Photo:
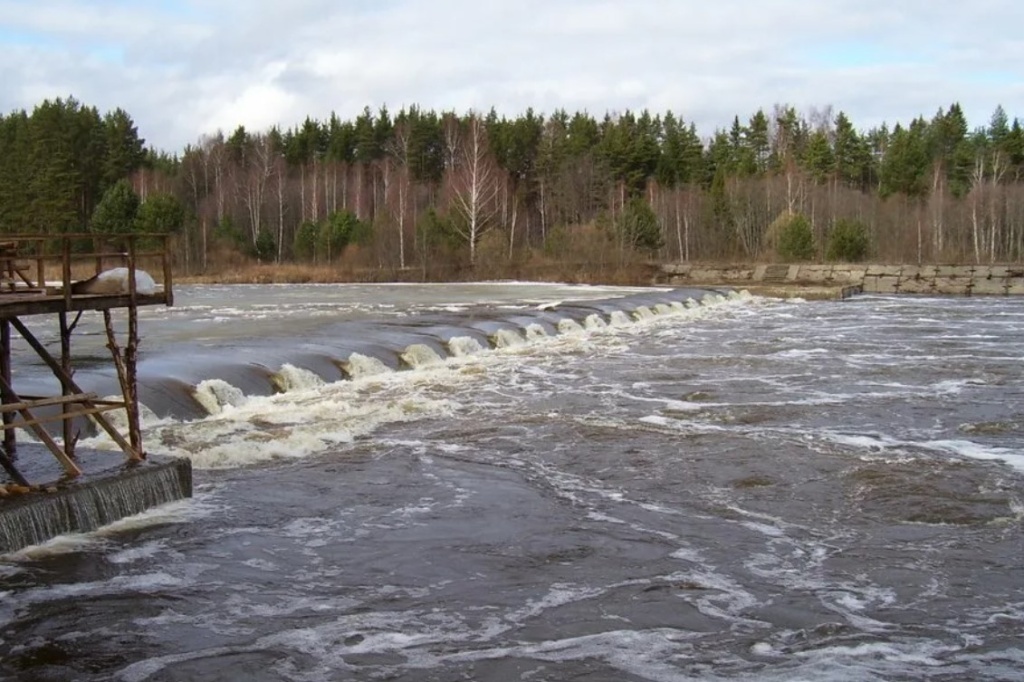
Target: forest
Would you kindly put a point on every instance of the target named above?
(426, 194)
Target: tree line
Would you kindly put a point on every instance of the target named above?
(440, 190)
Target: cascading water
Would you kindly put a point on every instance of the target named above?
(292, 378)
(236, 417)
(535, 331)
(359, 366)
(215, 394)
(89, 505)
(569, 326)
(643, 313)
(420, 355)
(461, 346)
(508, 338)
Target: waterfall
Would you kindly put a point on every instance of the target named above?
(643, 313)
(535, 331)
(620, 319)
(569, 326)
(418, 355)
(359, 365)
(507, 338)
(461, 346)
(215, 394)
(292, 378)
(86, 506)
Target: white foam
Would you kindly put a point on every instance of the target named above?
(508, 338)
(594, 322)
(215, 394)
(972, 450)
(420, 355)
(569, 326)
(619, 318)
(359, 366)
(535, 332)
(292, 378)
(881, 444)
(296, 425)
(461, 346)
(137, 553)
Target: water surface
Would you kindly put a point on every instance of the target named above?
(749, 489)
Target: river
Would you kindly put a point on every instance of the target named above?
(485, 482)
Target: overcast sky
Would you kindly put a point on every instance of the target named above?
(183, 68)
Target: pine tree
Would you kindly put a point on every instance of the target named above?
(116, 213)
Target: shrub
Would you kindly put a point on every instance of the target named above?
(848, 241)
(265, 248)
(305, 241)
(796, 239)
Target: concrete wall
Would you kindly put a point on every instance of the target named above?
(947, 280)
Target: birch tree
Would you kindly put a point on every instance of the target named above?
(475, 183)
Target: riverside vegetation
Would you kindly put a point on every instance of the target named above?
(438, 195)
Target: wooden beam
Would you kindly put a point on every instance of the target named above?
(43, 402)
(10, 440)
(16, 305)
(88, 396)
(88, 412)
(63, 377)
(70, 468)
(12, 470)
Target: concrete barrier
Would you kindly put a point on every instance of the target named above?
(33, 517)
(945, 280)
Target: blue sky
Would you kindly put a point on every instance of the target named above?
(183, 68)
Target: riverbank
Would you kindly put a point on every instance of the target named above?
(810, 281)
(628, 274)
(940, 280)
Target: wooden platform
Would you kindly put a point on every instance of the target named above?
(67, 275)
(17, 304)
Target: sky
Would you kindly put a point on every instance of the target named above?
(186, 68)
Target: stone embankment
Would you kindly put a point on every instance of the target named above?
(843, 280)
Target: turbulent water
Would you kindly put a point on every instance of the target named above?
(472, 483)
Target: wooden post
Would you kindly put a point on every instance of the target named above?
(66, 270)
(12, 470)
(70, 435)
(10, 439)
(168, 291)
(131, 357)
(122, 361)
(40, 265)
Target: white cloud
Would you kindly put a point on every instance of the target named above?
(186, 68)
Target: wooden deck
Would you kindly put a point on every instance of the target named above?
(35, 302)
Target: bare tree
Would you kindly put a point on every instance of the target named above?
(259, 166)
(399, 150)
(475, 184)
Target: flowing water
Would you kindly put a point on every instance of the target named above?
(469, 482)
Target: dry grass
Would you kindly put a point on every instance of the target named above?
(535, 269)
